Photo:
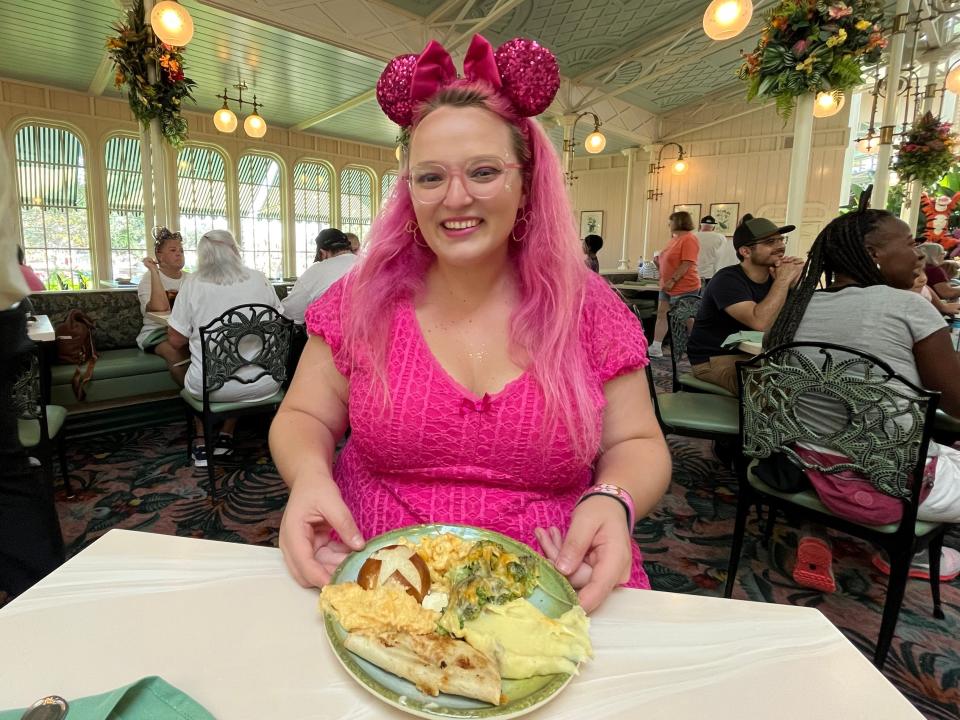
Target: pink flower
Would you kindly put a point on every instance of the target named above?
(839, 11)
(800, 47)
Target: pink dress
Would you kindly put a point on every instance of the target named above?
(445, 455)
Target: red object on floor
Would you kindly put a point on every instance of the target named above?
(814, 565)
(949, 566)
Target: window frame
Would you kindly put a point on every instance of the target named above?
(282, 219)
(334, 203)
(374, 197)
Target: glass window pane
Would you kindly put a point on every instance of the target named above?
(311, 208)
(202, 187)
(125, 220)
(261, 228)
(387, 183)
(52, 190)
(356, 201)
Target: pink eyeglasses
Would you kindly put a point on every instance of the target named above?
(482, 177)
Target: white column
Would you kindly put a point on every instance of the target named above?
(653, 152)
(800, 160)
(853, 128)
(567, 122)
(910, 212)
(881, 183)
(154, 152)
(631, 155)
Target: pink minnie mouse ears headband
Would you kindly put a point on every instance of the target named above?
(521, 70)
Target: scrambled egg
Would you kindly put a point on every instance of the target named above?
(441, 553)
(387, 608)
(525, 642)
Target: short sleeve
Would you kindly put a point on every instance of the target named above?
(689, 248)
(324, 317)
(612, 335)
(729, 289)
(935, 275)
(921, 316)
(144, 289)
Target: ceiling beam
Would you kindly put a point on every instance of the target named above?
(102, 76)
(449, 5)
(501, 9)
(343, 107)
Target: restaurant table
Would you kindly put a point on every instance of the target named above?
(639, 287)
(40, 329)
(227, 625)
(161, 317)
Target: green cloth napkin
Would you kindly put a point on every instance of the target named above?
(150, 698)
(751, 336)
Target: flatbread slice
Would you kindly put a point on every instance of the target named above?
(433, 663)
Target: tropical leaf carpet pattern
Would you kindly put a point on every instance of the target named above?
(141, 479)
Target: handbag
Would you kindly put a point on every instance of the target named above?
(75, 347)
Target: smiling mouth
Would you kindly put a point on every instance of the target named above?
(460, 224)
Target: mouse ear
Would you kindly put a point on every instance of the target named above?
(864, 204)
(530, 75)
(393, 89)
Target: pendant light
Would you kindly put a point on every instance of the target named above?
(255, 126)
(171, 23)
(224, 119)
(725, 19)
(828, 104)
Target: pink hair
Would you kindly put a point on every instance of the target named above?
(550, 269)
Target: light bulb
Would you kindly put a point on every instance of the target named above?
(953, 80)
(224, 119)
(255, 126)
(171, 23)
(679, 166)
(869, 146)
(595, 142)
(724, 19)
(399, 153)
(827, 104)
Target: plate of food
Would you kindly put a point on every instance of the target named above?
(452, 621)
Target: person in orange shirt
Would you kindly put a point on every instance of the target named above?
(678, 274)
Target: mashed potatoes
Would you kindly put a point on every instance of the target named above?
(387, 608)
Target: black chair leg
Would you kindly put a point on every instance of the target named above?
(740, 527)
(210, 444)
(189, 436)
(897, 585)
(935, 549)
(768, 526)
(62, 452)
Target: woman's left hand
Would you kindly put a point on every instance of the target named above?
(596, 554)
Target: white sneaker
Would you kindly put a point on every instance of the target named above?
(654, 351)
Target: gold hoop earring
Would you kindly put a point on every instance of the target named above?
(522, 217)
(414, 229)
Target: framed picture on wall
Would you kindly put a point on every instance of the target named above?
(694, 211)
(591, 223)
(726, 215)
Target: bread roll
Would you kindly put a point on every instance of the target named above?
(398, 564)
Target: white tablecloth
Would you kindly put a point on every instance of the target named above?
(227, 625)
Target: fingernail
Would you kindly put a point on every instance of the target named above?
(357, 541)
(563, 565)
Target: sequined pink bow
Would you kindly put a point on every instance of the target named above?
(475, 406)
(522, 70)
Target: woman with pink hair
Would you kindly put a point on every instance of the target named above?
(487, 376)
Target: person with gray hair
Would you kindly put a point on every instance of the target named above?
(937, 280)
(220, 283)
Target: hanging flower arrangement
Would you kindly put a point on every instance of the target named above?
(133, 49)
(811, 46)
(927, 151)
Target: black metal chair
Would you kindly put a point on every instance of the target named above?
(678, 322)
(244, 344)
(885, 436)
(40, 426)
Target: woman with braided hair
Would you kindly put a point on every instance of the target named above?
(868, 261)
(489, 378)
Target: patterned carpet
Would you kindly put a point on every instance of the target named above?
(140, 479)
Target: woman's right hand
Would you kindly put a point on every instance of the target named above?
(150, 264)
(314, 512)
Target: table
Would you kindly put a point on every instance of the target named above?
(41, 329)
(751, 348)
(161, 317)
(639, 287)
(226, 624)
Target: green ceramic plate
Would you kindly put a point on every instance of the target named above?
(553, 597)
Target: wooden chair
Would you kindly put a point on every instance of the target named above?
(225, 346)
(885, 438)
(678, 321)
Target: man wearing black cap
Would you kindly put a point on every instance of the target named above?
(746, 296)
(711, 244)
(334, 260)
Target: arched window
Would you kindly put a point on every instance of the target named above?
(356, 201)
(312, 194)
(387, 183)
(261, 229)
(202, 188)
(125, 221)
(52, 185)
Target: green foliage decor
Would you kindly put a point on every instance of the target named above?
(133, 49)
(811, 46)
(926, 153)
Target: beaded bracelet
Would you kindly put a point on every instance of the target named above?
(617, 493)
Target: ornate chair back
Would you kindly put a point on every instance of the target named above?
(678, 317)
